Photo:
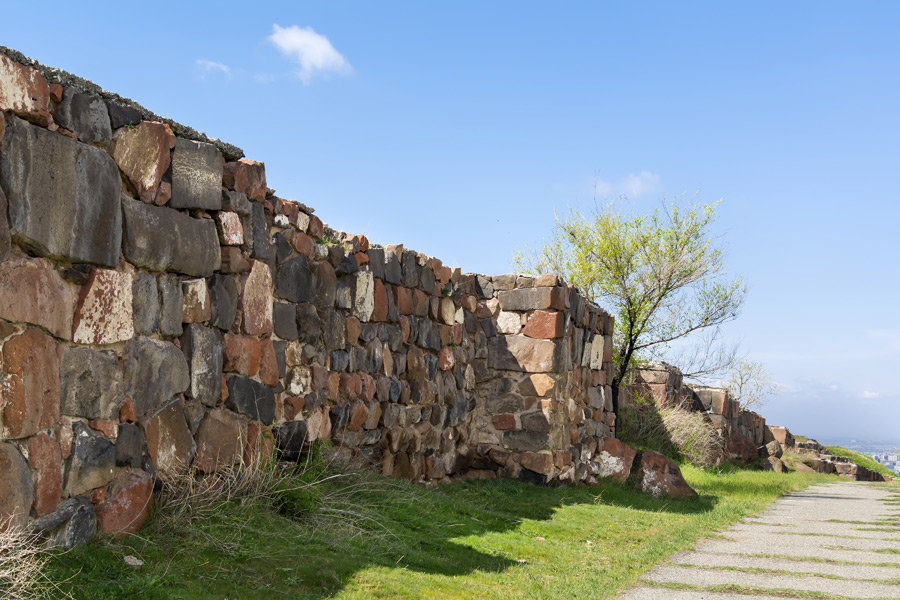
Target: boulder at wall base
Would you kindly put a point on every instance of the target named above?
(741, 448)
(614, 460)
(660, 477)
(128, 503)
(772, 463)
(289, 439)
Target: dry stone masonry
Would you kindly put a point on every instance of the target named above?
(162, 310)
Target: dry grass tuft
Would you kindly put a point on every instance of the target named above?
(22, 562)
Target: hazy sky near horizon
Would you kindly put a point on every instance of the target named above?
(461, 129)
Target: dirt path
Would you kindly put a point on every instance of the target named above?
(832, 541)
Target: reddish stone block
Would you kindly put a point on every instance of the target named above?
(256, 300)
(504, 422)
(231, 232)
(127, 414)
(45, 460)
(368, 386)
(359, 413)
(143, 154)
(332, 386)
(233, 260)
(420, 303)
(268, 363)
(361, 258)
(128, 505)
(30, 390)
(163, 194)
(33, 292)
(353, 328)
(545, 325)
(242, 355)
(104, 312)
(559, 298)
(197, 305)
(446, 359)
(247, 177)
(56, 92)
(350, 385)
(381, 302)
(403, 298)
(24, 91)
(65, 436)
(293, 407)
(315, 229)
(304, 244)
(260, 447)
(107, 427)
(318, 376)
(615, 460)
(539, 462)
(220, 440)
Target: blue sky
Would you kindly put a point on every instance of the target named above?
(460, 128)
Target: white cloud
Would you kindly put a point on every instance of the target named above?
(632, 186)
(210, 65)
(312, 51)
(867, 395)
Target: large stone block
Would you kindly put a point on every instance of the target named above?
(30, 384)
(196, 175)
(128, 503)
(521, 353)
(145, 303)
(104, 314)
(293, 280)
(73, 523)
(247, 177)
(251, 398)
(85, 115)
(143, 155)
(93, 461)
(17, 491)
(45, 460)
(364, 299)
(223, 298)
(525, 299)
(171, 306)
(169, 441)
(63, 196)
(162, 239)
(256, 300)
(24, 91)
(614, 460)
(91, 384)
(204, 350)
(155, 372)
(220, 440)
(33, 292)
(525, 441)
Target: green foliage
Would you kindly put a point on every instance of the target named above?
(661, 274)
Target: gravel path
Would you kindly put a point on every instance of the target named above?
(823, 542)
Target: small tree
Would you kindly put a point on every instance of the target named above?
(749, 384)
(661, 274)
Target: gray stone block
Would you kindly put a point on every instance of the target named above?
(223, 297)
(130, 446)
(91, 384)
(171, 306)
(284, 318)
(293, 280)
(525, 441)
(17, 491)
(162, 239)
(196, 175)
(72, 523)
(251, 398)
(145, 303)
(121, 115)
(155, 372)
(289, 439)
(93, 461)
(203, 348)
(260, 231)
(85, 115)
(69, 211)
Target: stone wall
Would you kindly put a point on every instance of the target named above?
(161, 310)
(743, 431)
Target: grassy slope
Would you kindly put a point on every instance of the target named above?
(861, 459)
(392, 539)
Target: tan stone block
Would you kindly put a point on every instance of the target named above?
(143, 154)
(545, 325)
(256, 299)
(231, 232)
(539, 462)
(24, 91)
(197, 307)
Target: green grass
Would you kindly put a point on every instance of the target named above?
(387, 538)
(861, 459)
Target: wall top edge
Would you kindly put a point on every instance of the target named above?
(64, 78)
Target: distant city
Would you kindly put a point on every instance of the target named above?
(885, 453)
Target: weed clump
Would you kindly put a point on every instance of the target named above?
(22, 566)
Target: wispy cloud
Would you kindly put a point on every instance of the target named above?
(867, 395)
(211, 66)
(632, 186)
(312, 51)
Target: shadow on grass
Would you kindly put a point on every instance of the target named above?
(249, 549)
